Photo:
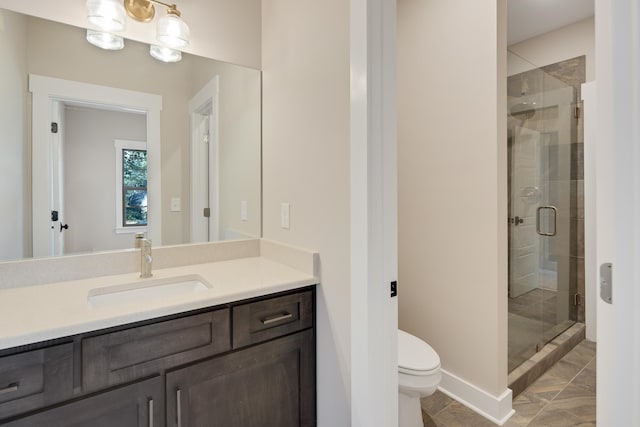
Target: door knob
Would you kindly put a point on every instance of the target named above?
(65, 227)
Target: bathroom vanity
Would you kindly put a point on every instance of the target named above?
(250, 363)
(241, 353)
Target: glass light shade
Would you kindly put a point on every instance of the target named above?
(172, 31)
(105, 40)
(165, 54)
(108, 15)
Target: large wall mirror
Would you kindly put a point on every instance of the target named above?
(98, 145)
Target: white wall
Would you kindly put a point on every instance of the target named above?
(565, 43)
(90, 176)
(618, 209)
(306, 157)
(14, 239)
(239, 139)
(224, 30)
(452, 167)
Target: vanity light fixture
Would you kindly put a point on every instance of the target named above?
(165, 54)
(171, 30)
(110, 16)
(105, 40)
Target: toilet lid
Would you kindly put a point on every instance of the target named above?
(415, 356)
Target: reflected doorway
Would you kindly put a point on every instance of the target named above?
(50, 96)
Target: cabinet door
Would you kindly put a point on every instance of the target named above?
(135, 405)
(35, 379)
(268, 385)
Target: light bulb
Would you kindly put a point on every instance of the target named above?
(105, 40)
(172, 31)
(108, 15)
(165, 54)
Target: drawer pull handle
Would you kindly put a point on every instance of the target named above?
(178, 407)
(276, 318)
(150, 412)
(10, 388)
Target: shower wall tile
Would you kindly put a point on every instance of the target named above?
(577, 237)
(577, 161)
(580, 199)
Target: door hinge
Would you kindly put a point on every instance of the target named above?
(577, 299)
(576, 112)
(54, 127)
(207, 212)
(394, 289)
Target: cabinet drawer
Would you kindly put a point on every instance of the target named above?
(122, 356)
(35, 379)
(263, 320)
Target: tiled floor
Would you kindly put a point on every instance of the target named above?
(565, 396)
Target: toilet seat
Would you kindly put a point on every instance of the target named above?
(416, 357)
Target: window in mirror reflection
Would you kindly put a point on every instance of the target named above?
(131, 185)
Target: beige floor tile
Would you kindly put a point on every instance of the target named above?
(428, 421)
(547, 387)
(435, 403)
(458, 415)
(555, 419)
(577, 401)
(587, 378)
(527, 405)
(564, 370)
(581, 354)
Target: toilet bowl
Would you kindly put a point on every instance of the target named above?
(418, 376)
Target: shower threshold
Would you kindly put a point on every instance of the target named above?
(533, 368)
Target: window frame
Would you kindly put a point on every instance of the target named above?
(120, 145)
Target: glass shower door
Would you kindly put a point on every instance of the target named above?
(541, 127)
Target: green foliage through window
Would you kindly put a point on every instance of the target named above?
(134, 187)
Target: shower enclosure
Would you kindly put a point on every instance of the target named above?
(542, 129)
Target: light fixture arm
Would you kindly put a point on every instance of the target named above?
(171, 8)
(144, 11)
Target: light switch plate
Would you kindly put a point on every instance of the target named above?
(243, 210)
(285, 215)
(175, 204)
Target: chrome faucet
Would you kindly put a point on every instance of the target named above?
(145, 258)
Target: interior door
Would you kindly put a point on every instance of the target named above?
(56, 179)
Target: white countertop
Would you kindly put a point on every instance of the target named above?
(37, 313)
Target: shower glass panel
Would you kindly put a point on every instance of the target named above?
(541, 128)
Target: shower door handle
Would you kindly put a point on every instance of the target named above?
(555, 220)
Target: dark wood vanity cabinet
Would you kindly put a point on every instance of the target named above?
(135, 405)
(246, 364)
(269, 385)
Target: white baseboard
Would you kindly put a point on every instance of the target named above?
(494, 408)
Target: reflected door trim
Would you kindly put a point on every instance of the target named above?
(204, 168)
(47, 90)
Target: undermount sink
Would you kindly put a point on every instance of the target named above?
(145, 290)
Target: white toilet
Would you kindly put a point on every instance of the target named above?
(418, 376)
